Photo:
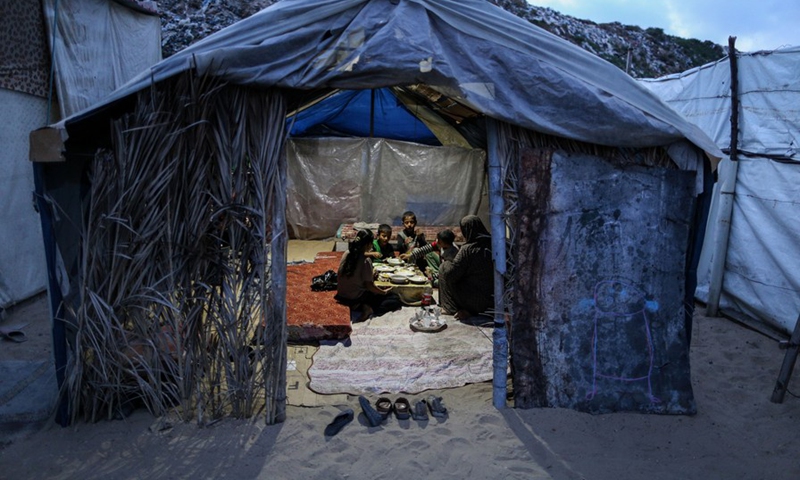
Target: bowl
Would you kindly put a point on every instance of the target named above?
(398, 279)
(418, 279)
(383, 268)
(394, 261)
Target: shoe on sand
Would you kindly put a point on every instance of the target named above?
(402, 408)
(339, 422)
(420, 411)
(437, 407)
(384, 407)
(373, 417)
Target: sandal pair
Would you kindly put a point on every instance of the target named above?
(401, 407)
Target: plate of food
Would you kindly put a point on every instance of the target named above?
(384, 268)
(418, 279)
(405, 272)
(394, 261)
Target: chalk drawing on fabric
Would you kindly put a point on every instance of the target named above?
(622, 345)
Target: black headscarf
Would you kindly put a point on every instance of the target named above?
(474, 231)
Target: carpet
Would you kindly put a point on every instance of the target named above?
(383, 355)
(310, 315)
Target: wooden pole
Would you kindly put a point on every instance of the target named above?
(727, 192)
(734, 155)
(788, 365)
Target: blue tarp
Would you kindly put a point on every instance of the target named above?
(347, 113)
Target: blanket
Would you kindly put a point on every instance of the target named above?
(383, 355)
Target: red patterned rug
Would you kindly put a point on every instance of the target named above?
(310, 315)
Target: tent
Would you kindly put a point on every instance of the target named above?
(88, 65)
(750, 262)
(592, 186)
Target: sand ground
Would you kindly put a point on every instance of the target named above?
(737, 432)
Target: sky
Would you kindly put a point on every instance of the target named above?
(757, 25)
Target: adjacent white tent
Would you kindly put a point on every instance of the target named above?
(761, 275)
(98, 45)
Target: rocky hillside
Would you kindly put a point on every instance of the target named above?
(641, 52)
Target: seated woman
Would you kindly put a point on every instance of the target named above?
(466, 284)
(356, 281)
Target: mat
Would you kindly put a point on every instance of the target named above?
(297, 391)
(383, 355)
(310, 315)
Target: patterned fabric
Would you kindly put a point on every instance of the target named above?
(24, 59)
(385, 356)
(314, 315)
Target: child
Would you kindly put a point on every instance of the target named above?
(443, 249)
(356, 282)
(409, 237)
(381, 248)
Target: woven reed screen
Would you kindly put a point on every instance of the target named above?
(183, 259)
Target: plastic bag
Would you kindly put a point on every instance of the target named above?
(326, 281)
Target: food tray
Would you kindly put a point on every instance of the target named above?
(418, 326)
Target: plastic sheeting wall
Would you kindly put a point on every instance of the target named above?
(336, 180)
(22, 265)
(762, 269)
(99, 45)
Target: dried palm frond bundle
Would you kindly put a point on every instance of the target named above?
(180, 305)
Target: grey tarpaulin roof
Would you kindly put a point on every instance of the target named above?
(487, 58)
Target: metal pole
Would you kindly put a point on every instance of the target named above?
(498, 228)
(727, 192)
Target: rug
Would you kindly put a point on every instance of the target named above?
(310, 315)
(383, 355)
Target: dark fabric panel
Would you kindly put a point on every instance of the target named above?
(23, 52)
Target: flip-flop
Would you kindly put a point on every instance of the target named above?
(13, 333)
(339, 422)
(420, 411)
(402, 408)
(437, 407)
(384, 407)
(373, 417)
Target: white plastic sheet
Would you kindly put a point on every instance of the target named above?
(22, 264)
(99, 45)
(339, 180)
(761, 276)
(762, 268)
